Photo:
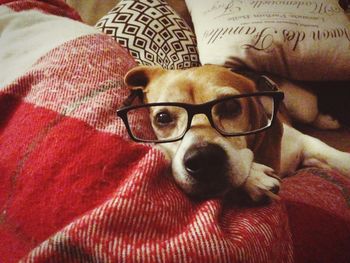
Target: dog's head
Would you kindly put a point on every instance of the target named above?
(205, 162)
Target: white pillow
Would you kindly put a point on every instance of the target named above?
(298, 39)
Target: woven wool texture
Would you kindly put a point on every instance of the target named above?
(74, 188)
(115, 198)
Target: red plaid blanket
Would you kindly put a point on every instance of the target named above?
(74, 188)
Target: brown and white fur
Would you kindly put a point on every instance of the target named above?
(250, 162)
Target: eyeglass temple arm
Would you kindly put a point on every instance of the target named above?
(262, 82)
(133, 95)
(265, 83)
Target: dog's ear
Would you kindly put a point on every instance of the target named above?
(266, 145)
(140, 76)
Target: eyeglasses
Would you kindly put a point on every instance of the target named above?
(228, 115)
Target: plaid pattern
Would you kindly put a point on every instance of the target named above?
(74, 188)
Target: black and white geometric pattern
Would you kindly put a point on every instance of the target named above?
(152, 32)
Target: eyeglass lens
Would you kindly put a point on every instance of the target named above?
(229, 116)
(168, 122)
(235, 115)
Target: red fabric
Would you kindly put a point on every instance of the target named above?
(54, 7)
(318, 205)
(74, 188)
(59, 169)
(120, 201)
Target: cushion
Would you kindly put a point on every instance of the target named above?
(153, 33)
(295, 39)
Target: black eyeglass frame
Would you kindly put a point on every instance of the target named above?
(193, 109)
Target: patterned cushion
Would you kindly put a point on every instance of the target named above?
(152, 32)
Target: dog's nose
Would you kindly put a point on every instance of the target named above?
(205, 162)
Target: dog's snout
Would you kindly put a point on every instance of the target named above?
(205, 162)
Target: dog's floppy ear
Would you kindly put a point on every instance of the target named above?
(140, 76)
(267, 145)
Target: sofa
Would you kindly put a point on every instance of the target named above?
(75, 188)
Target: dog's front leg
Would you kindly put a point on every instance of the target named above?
(299, 149)
(261, 182)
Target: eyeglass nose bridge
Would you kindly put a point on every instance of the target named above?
(199, 110)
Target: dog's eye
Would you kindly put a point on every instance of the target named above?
(163, 118)
(228, 109)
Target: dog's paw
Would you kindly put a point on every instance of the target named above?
(326, 122)
(262, 182)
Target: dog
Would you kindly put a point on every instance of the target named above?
(206, 163)
(302, 105)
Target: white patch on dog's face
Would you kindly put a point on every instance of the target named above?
(238, 165)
